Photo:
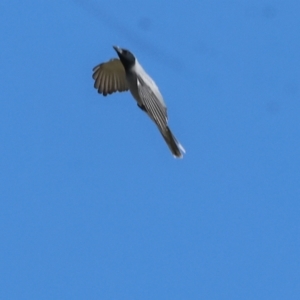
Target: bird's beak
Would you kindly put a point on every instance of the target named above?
(118, 49)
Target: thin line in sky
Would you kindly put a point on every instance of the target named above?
(93, 8)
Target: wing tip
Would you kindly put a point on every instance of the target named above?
(181, 151)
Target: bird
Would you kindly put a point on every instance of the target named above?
(126, 73)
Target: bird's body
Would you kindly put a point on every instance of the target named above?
(132, 82)
(110, 77)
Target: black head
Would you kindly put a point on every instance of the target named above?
(126, 57)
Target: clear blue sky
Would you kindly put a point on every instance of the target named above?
(93, 205)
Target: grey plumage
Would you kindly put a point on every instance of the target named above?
(126, 73)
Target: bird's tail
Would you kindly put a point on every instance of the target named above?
(175, 147)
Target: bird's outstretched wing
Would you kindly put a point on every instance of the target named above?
(110, 77)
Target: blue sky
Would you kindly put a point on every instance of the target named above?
(93, 205)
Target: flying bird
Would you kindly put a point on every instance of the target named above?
(125, 73)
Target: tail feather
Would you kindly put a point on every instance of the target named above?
(175, 147)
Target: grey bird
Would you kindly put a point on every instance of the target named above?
(125, 73)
